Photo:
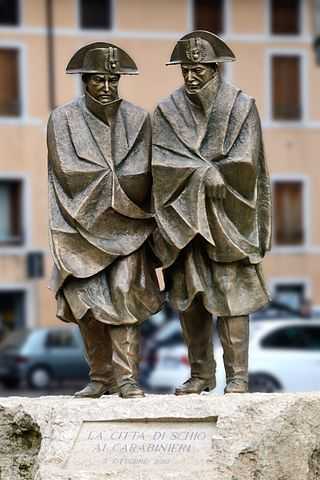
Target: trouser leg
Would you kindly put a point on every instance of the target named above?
(98, 349)
(126, 350)
(197, 329)
(234, 337)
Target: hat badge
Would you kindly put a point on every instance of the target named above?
(194, 52)
(109, 65)
(111, 60)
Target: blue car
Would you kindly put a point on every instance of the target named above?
(42, 355)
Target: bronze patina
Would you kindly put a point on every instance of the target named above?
(100, 220)
(212, 200)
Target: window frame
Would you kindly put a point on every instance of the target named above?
(305, 181)
(16, 53)
(304, 91)
(22, 84)
(288, 36)
(26, 220)
(112, 19)
(13, 199)
(281, 64)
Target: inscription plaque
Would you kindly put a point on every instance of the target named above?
(139, 445)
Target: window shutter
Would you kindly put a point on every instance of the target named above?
(9, 82)
(285, 17)
(208, 15)
(286, 88)
(288, 213)
(95, 14)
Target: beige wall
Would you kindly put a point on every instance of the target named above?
(34, 13)
(247, 69)
(248, 16)
(167, 15)
(65, 13)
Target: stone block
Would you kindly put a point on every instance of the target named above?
(161, 437)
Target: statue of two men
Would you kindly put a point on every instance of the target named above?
(209, 230)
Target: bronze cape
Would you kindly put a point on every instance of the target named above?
(99, 179)
(209, 247)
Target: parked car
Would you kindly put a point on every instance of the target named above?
(42, 355)
(284, 356)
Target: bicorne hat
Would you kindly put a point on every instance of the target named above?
(104, 58)
(201, 47)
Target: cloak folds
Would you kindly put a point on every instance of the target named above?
(99, 180)
(201, 242)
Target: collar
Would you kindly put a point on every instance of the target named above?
(105, 113)
(207, 95)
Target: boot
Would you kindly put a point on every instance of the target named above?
(197, 329)
(96, 390)
(234, 337)
(125, 344)
(98, 353)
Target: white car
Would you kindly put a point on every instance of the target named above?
(284, 356)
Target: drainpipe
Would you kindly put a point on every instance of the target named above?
(50, 55)
(316, 42)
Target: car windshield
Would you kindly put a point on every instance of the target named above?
(14, 340)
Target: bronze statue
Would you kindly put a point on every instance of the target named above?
(213, 209)
(99, 194)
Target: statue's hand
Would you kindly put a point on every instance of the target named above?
(215, 184)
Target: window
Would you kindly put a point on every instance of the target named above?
(95, 14)
(35, 265)
(288, 213)
(292, 295)
(60, 339)
(285, 17)
(295, 337)
(9, 14)
(9, 83)
(10, 212)
(209, 15)
(286, 87)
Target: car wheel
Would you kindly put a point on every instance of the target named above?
(39, 378)
(261, 382)
(11, 383)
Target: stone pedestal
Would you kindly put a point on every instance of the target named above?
(235, 437)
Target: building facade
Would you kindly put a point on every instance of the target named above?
(273, 42)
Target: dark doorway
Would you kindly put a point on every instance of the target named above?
(12, 311)
(292, 295)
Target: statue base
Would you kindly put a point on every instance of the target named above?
(235, 437)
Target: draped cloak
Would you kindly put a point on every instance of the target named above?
(99, 184)
(210, 247)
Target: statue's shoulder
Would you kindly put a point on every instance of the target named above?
(242, 98)
(175, 98)
(60, 113)
(133, 112)
(245, 100)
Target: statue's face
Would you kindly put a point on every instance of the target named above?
(103, 87)
(196, 76)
